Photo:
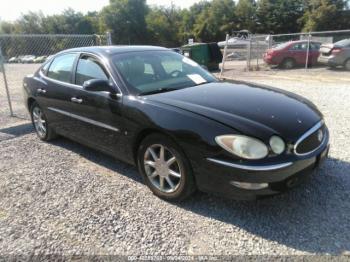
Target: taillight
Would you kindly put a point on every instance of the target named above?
(336, 50)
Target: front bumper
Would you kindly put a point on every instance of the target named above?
(270, 60)
(221, 177)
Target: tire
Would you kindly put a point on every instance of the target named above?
(40, 123)
(347, 65)
(154, 168)
(288, 63)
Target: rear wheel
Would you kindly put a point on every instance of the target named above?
(165, 169)
(39, 120)
(347, 64)
(288, 63)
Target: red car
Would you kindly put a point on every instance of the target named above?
(291, 54)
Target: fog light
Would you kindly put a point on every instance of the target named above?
(277, 144)
(249, 186)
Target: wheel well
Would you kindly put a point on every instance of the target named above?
(146, 132)
(30, 102)
(141, 136)
(288, 58)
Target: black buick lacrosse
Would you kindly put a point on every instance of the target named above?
(181, 127)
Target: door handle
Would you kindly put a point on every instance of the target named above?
(76, 100)
(41, 91)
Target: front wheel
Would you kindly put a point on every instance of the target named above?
(288, 63)
(165, 169)
(39, 120)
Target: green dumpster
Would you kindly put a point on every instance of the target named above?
(205, 54)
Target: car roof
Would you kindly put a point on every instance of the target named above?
(112, 50)
(303, 41)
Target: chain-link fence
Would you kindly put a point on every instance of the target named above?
(23, 54)
(328, 50)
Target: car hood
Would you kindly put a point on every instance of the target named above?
(249, 109)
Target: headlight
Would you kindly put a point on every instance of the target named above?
(243, 146)
(277, 144)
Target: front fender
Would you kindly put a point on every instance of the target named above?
(194, 133)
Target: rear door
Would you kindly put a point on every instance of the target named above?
(55, 91)
(314, 52)
(99, 114)
(298, 52)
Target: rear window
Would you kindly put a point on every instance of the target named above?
(345, 43)
(61, 68)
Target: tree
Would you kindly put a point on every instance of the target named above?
(325, 15)
(189, 18)
(30, 23)
(6, 27)
(246, 15)
(70, 22)
(126, 19)
(163, 25)
(279, 16)
(215, 21)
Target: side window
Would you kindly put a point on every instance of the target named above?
(297, 47)
(294, 47)
(88, 68)
(315, 46)
(304, 46)
(61, 68)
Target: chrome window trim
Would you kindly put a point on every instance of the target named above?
(101, 60)
(306, 135)
(251, 168)
(58, 82)
(79, 53)
(84, 119)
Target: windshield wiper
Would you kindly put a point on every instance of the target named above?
(157, 91)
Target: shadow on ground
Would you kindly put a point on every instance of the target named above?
(16, 131)
(315, 217)
(99, 158)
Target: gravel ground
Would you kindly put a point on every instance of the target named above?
(64, 198)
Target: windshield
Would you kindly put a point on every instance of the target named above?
(159, 71)
(281, 46)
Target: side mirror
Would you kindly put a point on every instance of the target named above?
(98, 85)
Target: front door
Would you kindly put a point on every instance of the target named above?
(298, 52)
(99, 114)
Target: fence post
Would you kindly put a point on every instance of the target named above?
(109, 38)
(308, 51)
(257, 53)
(249, 53)
(270, 38)
(2, 69)
(224, 56)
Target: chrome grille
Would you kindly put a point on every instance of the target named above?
(311, 140)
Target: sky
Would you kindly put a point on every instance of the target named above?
(14, 8)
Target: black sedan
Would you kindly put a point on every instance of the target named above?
(180, 126)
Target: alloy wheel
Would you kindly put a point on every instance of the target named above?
(289, 64)
(39, 122)
(162, 168)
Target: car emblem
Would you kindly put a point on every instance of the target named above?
(320, 135)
